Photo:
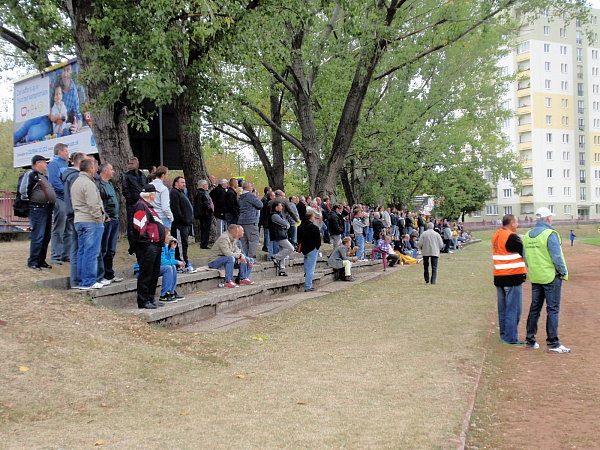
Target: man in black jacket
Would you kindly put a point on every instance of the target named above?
(336, 225)
(183, 218)
(133, 183)
(231, 209)
(218, 197)
(203, 211)
(309, 238)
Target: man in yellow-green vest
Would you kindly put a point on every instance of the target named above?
(547, 270)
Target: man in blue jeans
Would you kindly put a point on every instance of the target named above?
(60, 234)
(509, 275)
(309, 239)
(89, 224)
(37, 190)
(227, 254)
(547, 270)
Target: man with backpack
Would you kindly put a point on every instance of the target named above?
(37, 190)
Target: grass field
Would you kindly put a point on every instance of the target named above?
(385, 364)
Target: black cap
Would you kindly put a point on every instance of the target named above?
(149, 188)
(37, 158)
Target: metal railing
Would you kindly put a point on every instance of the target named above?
(8, 221)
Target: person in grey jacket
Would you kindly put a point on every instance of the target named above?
(250, 206)
(430, 244)
(89, 224)
(278, 227)
(339, 259)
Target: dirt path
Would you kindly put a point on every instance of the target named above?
(550, 401)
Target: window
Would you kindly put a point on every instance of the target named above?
(508, 210)
(596, 123)
(566, 173)
(551, 208)
(581, 124)
(580, 106)
(523, 47)
(548, 120)
(491, 210)
(567, 191)
(476, 214)
(549, 155)
(578, 37)
(597, 158)
(579, 54)
(547, 84)
(548, 102)
(549, 173)
(596, 140)
(595, 89)
(549, 139)
(563, 32)
(597, 174)
(582, 193)
(564, 102)
(582, 175)
(582, 158)
(546, 31)
(563, 48)
(594, 54)
(594, 71)
(565, 121)
(581, 141)
(546, 12)
(546, 48)
(566, 156)
(550, 191)
(563, 68)
(565, 137)
(564, 85)
(507, 193)
(580, 89)
(567, 209)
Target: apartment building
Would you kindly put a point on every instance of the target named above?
(556, 128)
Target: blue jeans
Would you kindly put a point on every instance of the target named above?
(229, 263)
(434, 266)
(292, 234)
(89, 237)
(509, 312)
(40, 221)
(33, 129)
(325, 231)
(108, 249)
(73, 249)
(169, 281)
(59, 241)
(369, 235)
(551, 293)
(360, 242)
(346, 229)
(310, 262)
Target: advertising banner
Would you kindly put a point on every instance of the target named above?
(51, 108)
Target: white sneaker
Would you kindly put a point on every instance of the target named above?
(97, 286)
(535, 346)
(116, 279)
(190, 269)
(560, 349)
(105, 282)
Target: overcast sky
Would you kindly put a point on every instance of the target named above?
(6, 90)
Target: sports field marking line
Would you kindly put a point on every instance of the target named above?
(469, 413)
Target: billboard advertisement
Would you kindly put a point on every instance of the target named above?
(50, 108)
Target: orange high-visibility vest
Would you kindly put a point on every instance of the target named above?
(505, 262)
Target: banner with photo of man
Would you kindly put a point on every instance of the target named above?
(50, 108)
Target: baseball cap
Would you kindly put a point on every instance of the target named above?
(37, 158)
(542, 213)
(149, 188)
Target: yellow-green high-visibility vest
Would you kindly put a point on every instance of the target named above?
(539, 262)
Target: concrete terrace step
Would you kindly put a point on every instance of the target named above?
(202, 305)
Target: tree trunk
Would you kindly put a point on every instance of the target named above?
(277, 140)
(188, 138)
(348, 187)
(109, 124)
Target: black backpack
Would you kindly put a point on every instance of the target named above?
(20, 206)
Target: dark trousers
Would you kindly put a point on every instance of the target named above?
(40, 221)
(182, 233)
(148, 259)
(108, 249)
(231, 219)
(205, 224)
(130, 210)
(434, 266)
(551, 294)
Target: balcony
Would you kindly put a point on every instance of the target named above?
(523, 91)
(523, 128)
(524, 109)
(524, 74)
(527, 198)
(525, 56)
(527, 162)
(527, 182)
(525, 145)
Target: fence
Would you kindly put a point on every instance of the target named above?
(8, 221)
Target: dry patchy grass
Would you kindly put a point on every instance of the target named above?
(386, 364)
